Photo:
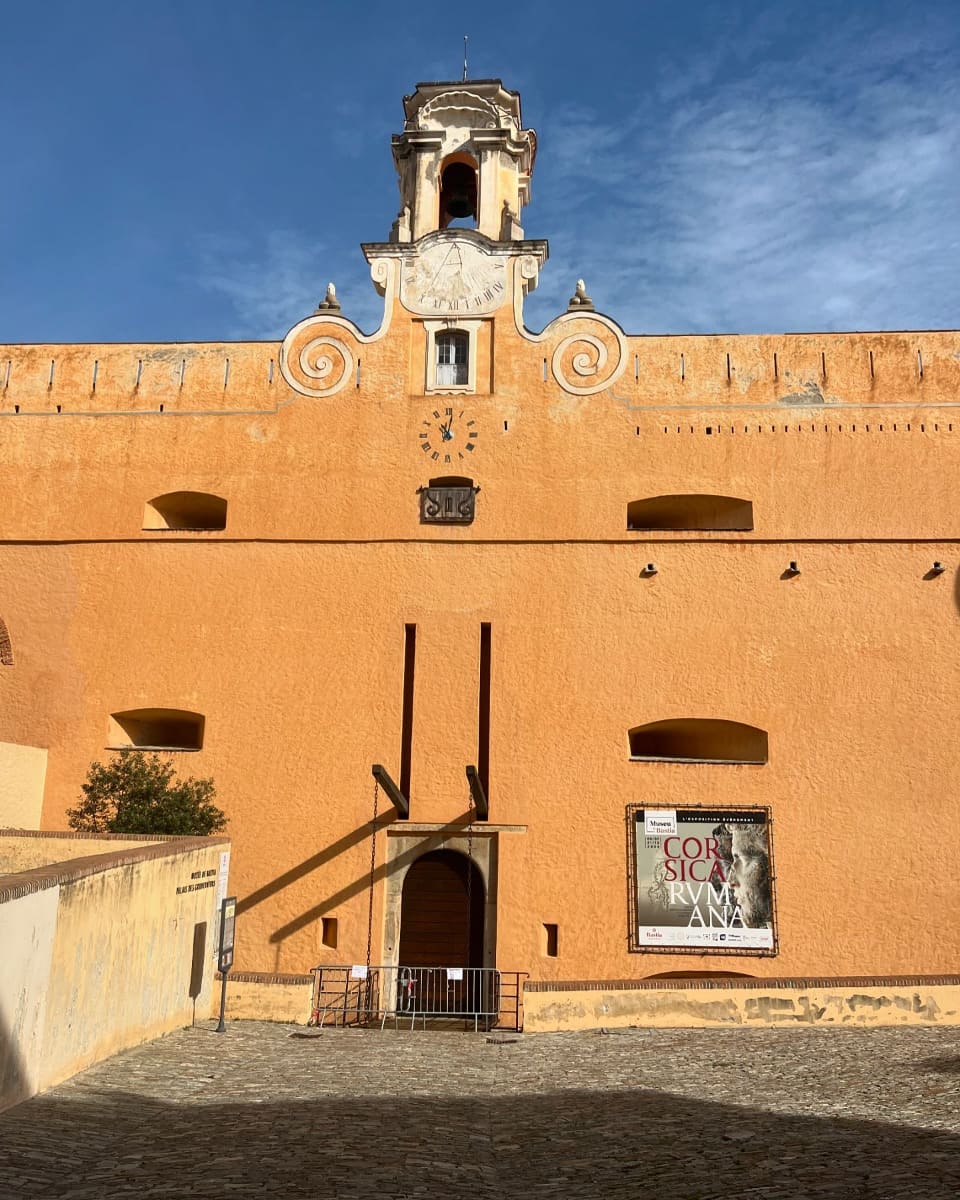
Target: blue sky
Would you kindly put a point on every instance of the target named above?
(199, 170)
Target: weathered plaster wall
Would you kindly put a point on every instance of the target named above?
(301, 689)
(264, 997)
(286, 629)
(22, 774)
(20, 852)
(102, 953)
(814, 1002)
(27, 932)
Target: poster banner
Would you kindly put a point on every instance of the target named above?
(707, 885)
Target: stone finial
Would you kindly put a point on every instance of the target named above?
(580, 299)
(330, 299)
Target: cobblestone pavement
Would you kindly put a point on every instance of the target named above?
(744, 1114)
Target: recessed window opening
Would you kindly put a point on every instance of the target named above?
(698, 739)
(458, 194)
(156, 729)
(329, 932)
(453, 358)
(551, 941)
(690, 512)
(185, 510)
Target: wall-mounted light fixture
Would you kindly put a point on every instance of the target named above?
(937, 569)
(649, 569)
(793, 568)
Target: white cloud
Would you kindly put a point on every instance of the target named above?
(819, 197)
(272, 283)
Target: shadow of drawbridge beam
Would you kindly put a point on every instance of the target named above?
(313, 863)
(350, 840)
(430, 841)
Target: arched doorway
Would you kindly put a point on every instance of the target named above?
(441, 912)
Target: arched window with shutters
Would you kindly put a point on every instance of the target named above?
(453, 358)
(451, 361)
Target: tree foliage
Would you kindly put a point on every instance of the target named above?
(139, 793)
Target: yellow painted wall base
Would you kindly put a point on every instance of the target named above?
(846, 1002)
(102, 952)
(252, 996)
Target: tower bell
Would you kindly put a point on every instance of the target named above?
(463, 155)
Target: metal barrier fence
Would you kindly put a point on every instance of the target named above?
(358, 995)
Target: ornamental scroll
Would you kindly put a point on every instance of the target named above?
(319, 355)
(587, 351)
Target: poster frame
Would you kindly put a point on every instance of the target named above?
(633, 943)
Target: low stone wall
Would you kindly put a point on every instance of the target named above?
(103, 952)
(23, 770)
(24, 849)
(690, 1003)
(256, 996)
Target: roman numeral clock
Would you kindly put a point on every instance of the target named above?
(453, 279)
(448, 436)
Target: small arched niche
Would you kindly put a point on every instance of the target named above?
(693, 512)
(458, 191)
(185, 510)
(6, 647)
(698, 739)
(156, 729)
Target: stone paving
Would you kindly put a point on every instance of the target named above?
(738, 1114)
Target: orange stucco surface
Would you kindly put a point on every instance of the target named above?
(286, 629)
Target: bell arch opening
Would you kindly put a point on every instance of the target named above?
(442, 912)
(458, 192)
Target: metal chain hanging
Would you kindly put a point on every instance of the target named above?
(373, 867)
(470, 893)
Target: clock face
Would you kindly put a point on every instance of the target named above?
(448, 437)
(453, 275)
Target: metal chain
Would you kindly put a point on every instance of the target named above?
(470, 884)
(373, 866)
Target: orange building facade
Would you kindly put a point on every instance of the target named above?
(686, 605)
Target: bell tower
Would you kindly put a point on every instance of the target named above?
(463, 159)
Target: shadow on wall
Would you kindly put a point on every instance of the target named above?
(328, 854)
(585, 1144)
(13, 1079)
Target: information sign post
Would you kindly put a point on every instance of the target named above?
(228, 922)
